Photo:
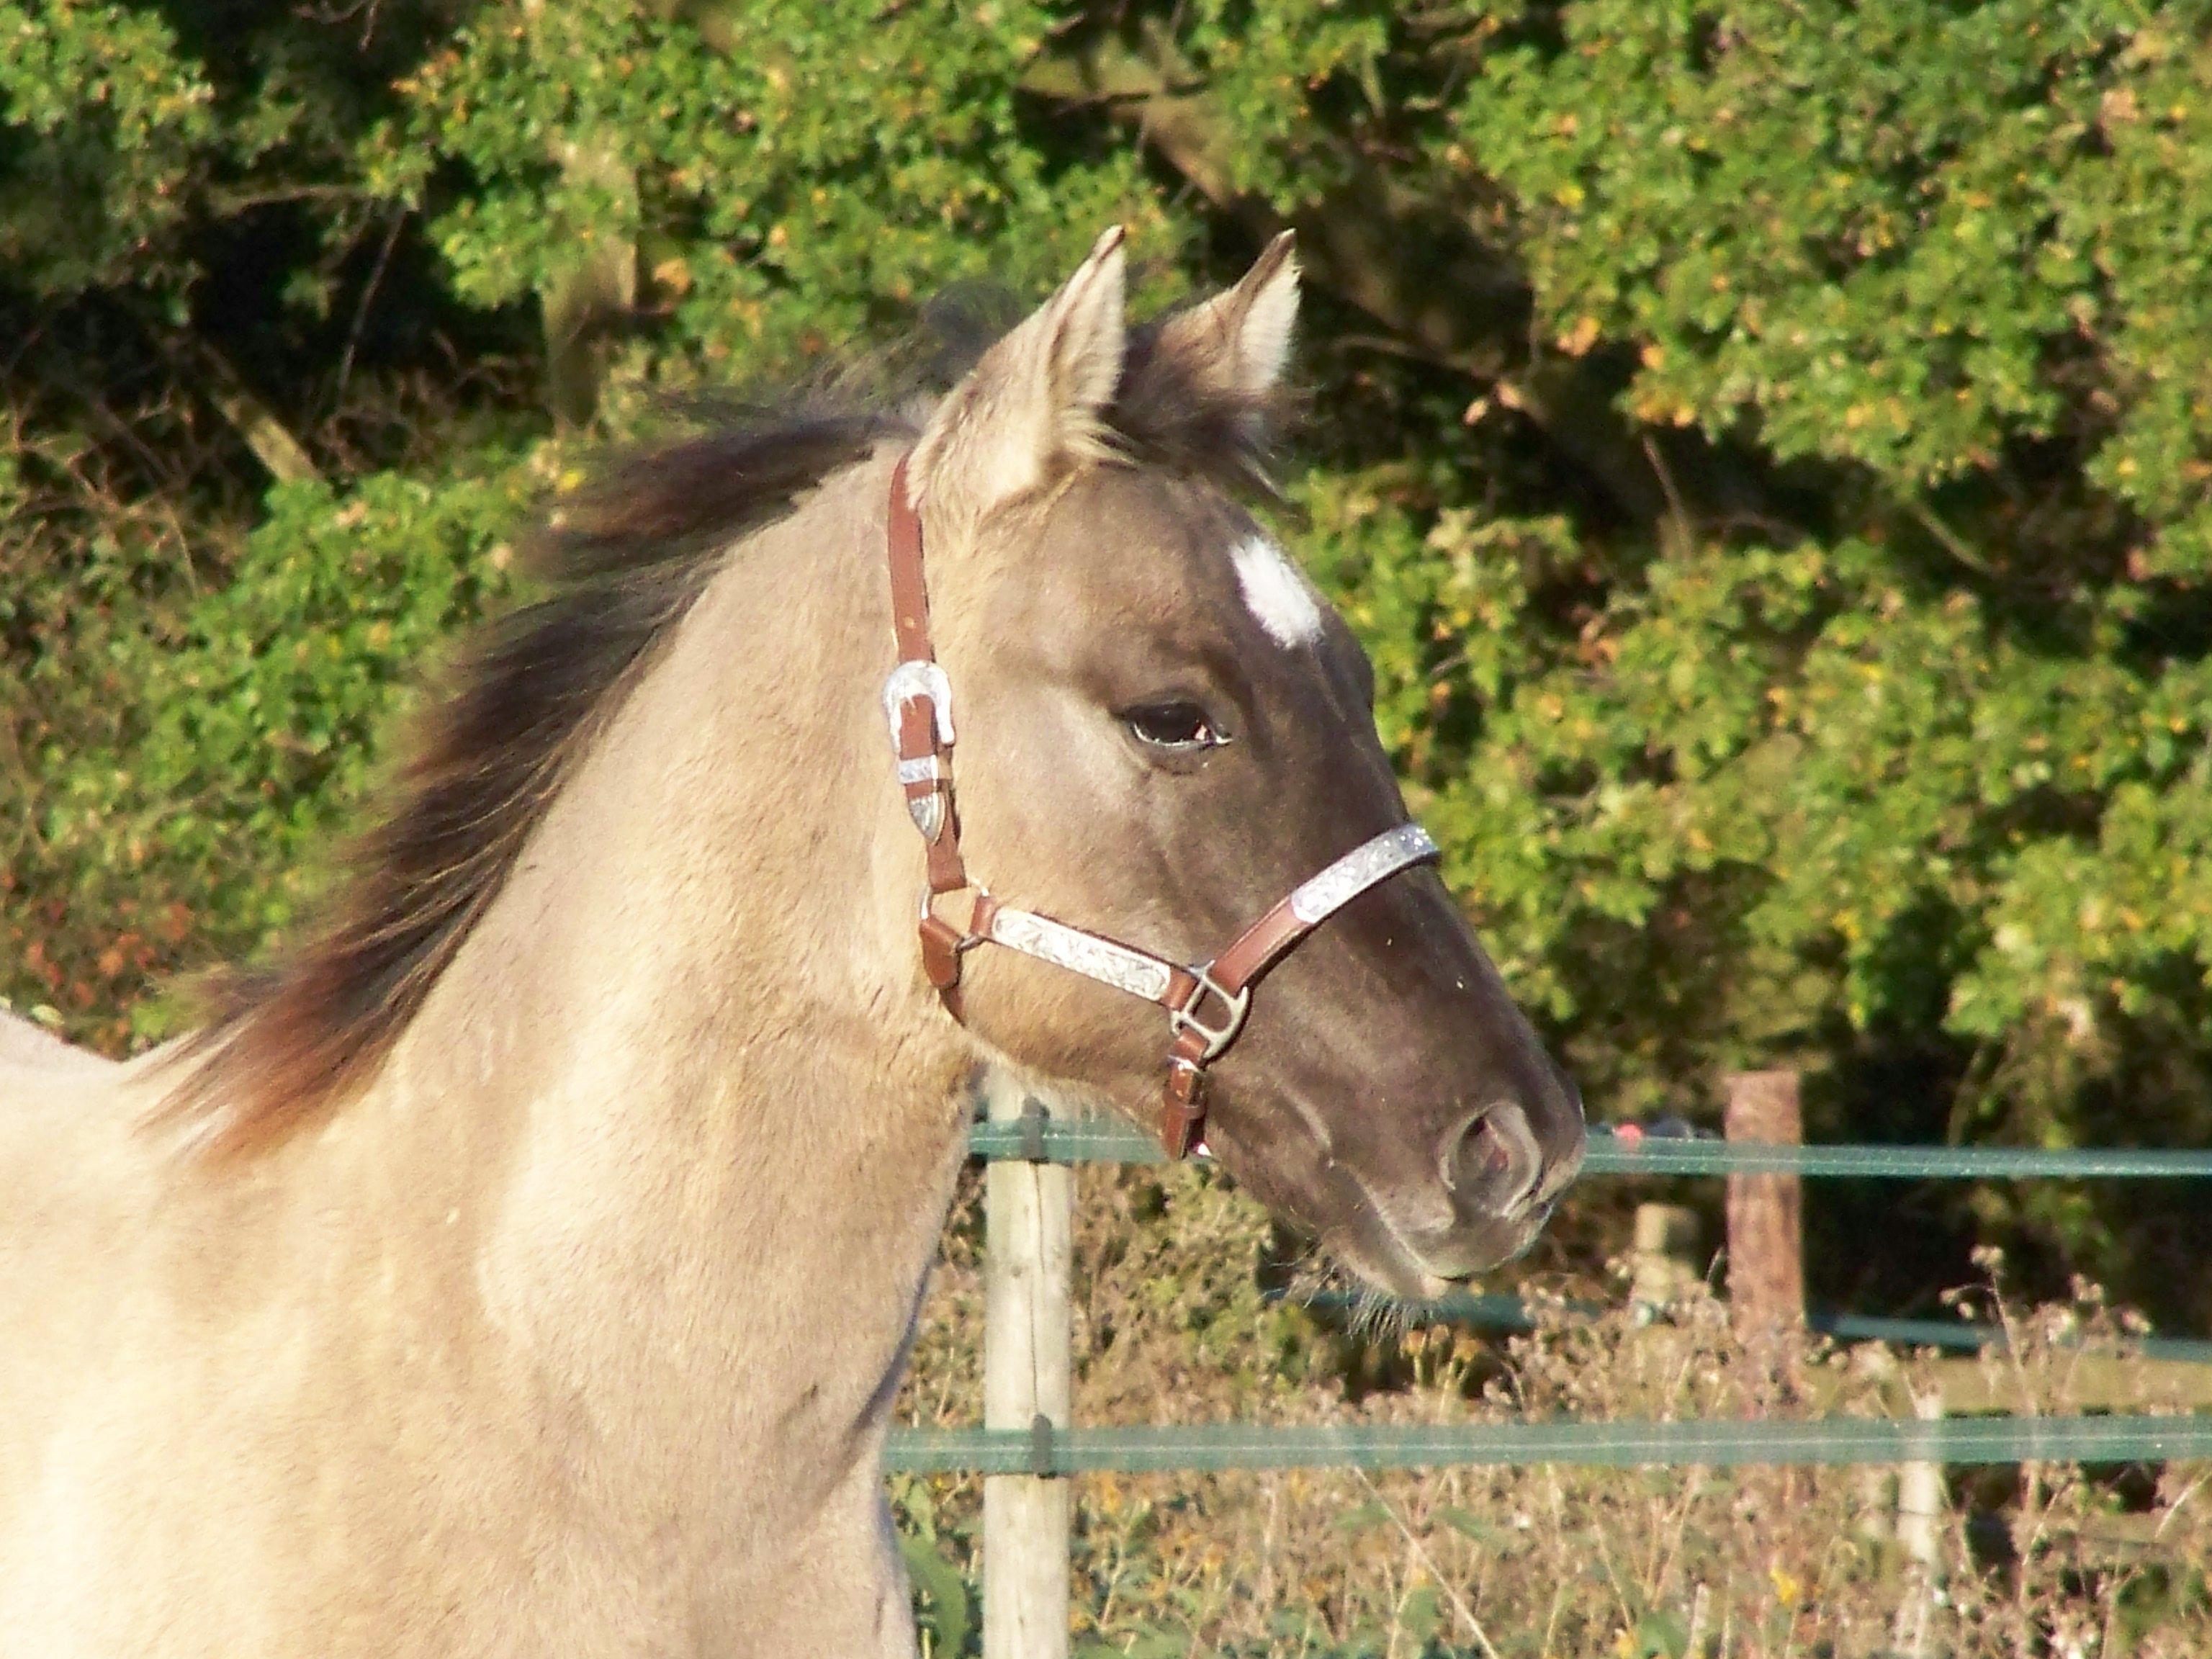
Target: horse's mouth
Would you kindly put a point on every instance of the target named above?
(1371, 1245)
(1354, 1223)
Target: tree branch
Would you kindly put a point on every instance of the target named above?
(281, 454)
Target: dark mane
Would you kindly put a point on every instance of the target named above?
(623, 562)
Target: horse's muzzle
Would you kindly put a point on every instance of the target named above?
(1501, 1170)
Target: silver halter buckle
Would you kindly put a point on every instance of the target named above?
(917, 680)
(1218, 1037)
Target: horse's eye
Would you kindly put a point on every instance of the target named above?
(1179, 727)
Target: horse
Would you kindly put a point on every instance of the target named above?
(525, 1260)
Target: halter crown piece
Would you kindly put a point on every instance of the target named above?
(1207, 1002)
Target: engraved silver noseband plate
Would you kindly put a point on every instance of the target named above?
(1324, 895)
(1081, 952)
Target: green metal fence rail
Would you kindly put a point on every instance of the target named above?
(1041, 1140)
(1044, 1450)
(1612, 1155)
(1940, 1334)
(1215, 1447)
(1511, 1313)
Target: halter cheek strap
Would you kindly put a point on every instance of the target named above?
(1206, 1003)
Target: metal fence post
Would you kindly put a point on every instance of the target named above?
(1029, 1210)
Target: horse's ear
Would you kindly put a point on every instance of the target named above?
(1034, 401)
(1232, 349)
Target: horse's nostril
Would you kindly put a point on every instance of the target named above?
(1494, 1162)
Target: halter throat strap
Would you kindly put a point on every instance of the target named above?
(918, 701)
(1206, 1003)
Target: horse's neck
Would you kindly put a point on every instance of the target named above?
(680, 1090)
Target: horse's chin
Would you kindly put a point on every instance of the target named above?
(1368, 1248)
(1397, 1278)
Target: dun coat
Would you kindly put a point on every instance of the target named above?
(526, 1263)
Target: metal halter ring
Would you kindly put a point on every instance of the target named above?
(1237, 1005)
(969, 940)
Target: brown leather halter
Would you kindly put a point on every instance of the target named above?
(1207, 1002)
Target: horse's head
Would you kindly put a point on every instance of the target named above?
(1162, 731)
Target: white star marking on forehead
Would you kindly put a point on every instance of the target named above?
(1275, 593)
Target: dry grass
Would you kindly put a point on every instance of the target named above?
(1172, 1326)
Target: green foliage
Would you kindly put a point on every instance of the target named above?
(105, 123)
(944, 1610)
(1764, 446)
(798, 174)
(249, 734)
(1906, 236)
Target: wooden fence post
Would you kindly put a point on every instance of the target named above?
(1766, 1258)
(1029, 1210)
(1766, 1218)
(1662, 1262)
(1919, 1515)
